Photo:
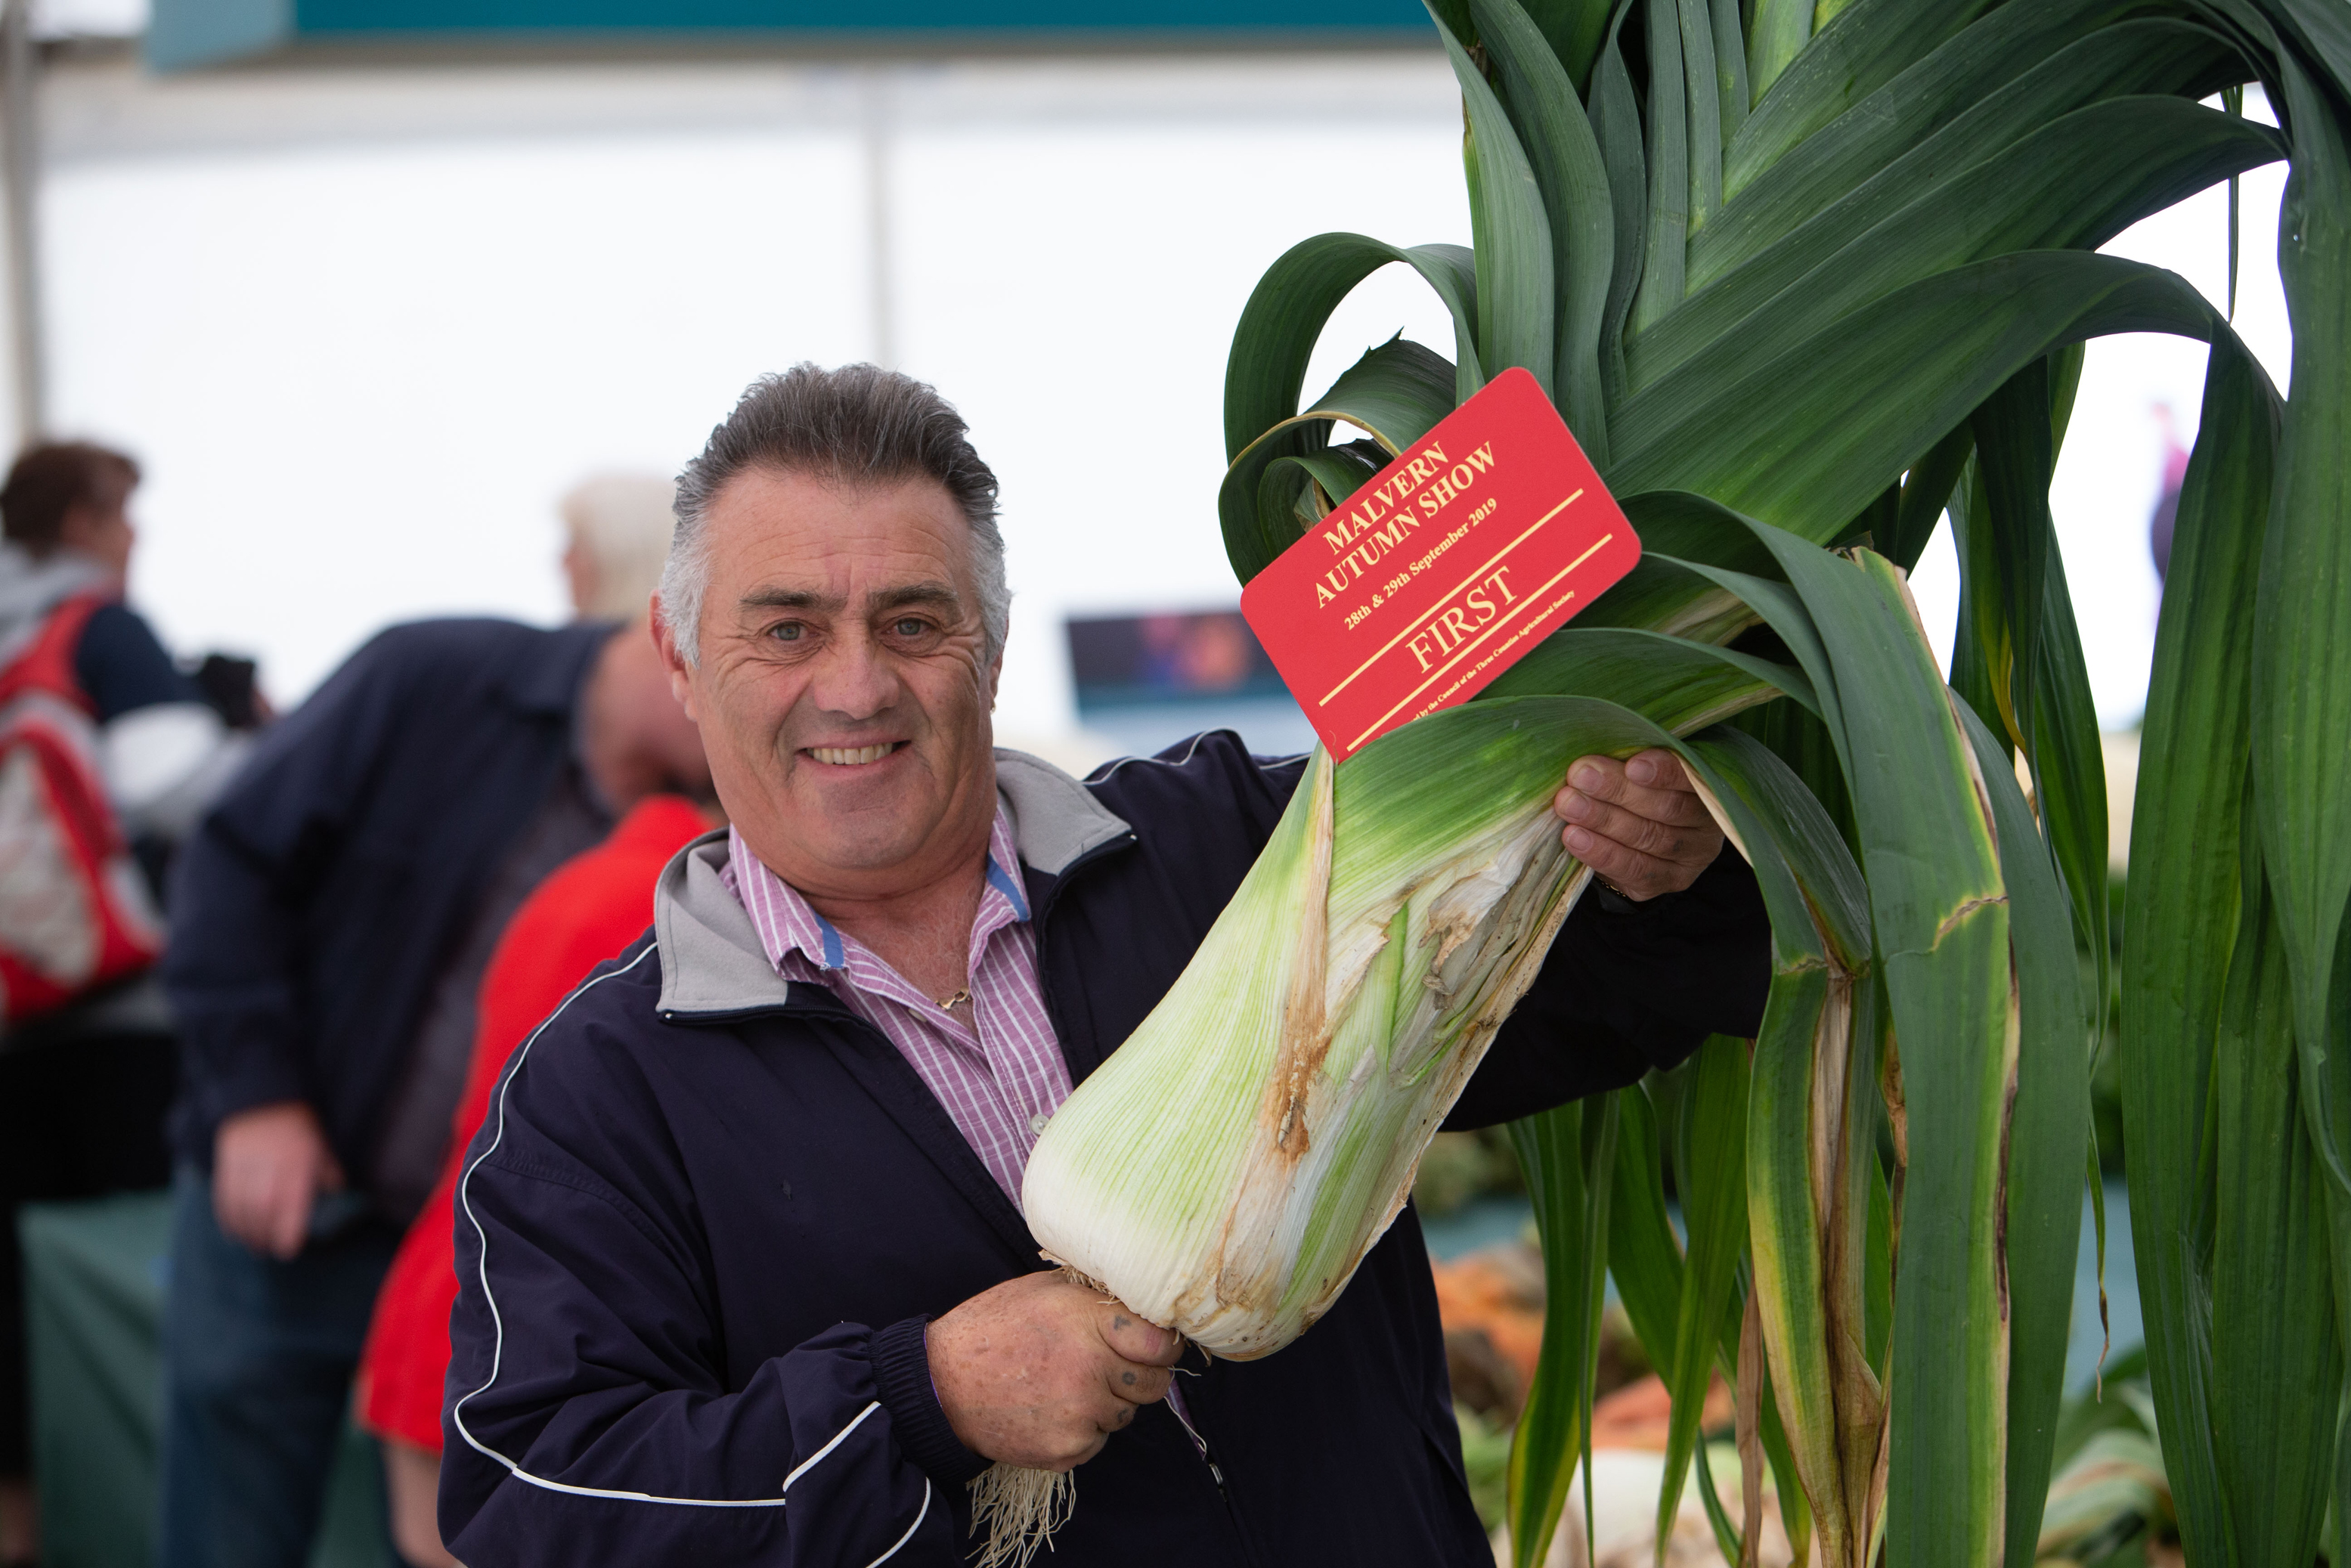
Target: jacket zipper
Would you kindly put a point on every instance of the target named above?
(1061, 883)
(1201, 1443)
(1042, 908)
(1036, 919)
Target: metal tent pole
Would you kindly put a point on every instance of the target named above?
(20, 73)
(876, 137)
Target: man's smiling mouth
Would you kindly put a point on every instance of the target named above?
(853, 756)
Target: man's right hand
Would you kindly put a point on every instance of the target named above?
(269, 1164)
(1039, 1371)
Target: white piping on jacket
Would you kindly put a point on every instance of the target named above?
(1113, 766)
(838, 1438)
(920, 1514)
(1108, 769)
(499, 1340)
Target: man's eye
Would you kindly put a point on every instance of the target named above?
(789, 632)
(911, 627)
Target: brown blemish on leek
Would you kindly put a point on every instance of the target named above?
(1305, 1026)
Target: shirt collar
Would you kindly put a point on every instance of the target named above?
(713, 963)
(787, 923)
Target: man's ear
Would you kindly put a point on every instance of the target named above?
(996, 672)
(681, 676)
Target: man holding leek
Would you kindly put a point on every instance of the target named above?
(745, 1277)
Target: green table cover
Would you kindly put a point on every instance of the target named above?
(94, 1306)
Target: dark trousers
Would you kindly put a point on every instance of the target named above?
(79, 1117)
(258, 1363)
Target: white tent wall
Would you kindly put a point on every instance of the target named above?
(365, 325)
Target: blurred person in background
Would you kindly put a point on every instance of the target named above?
(594, 906)
(617, 527)
(616, 530)
(334, 916)
(108, 752)
(2160, 521)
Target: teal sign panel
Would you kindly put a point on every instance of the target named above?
(186, 33)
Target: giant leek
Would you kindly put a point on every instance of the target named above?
(1224, 1172)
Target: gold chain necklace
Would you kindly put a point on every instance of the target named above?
(949, 1004)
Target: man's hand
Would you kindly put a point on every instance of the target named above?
(269, 1164)
(1039, 1372)
(1638, 823)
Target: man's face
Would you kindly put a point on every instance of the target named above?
(843, 689)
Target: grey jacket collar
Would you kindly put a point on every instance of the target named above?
(712, 961)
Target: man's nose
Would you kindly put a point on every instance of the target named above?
(853, 680)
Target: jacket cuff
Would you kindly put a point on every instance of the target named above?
(222, 1090)
(1724, 891)
(1697, 962)
(901, 1380)
(1614, 902)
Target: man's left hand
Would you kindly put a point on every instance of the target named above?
(1638, 824)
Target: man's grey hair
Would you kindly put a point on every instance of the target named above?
(854, 426)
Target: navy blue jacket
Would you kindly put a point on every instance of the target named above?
(703, 1227)
(323, 891)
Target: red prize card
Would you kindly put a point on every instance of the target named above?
(1489, 534)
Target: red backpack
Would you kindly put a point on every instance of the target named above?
(74, 915)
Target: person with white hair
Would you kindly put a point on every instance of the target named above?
(616, 535)
(617, 530)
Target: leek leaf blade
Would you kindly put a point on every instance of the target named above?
(2182, 907)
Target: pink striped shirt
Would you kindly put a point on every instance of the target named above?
(1000, 1075)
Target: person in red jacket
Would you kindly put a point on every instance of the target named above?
(587, 910)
